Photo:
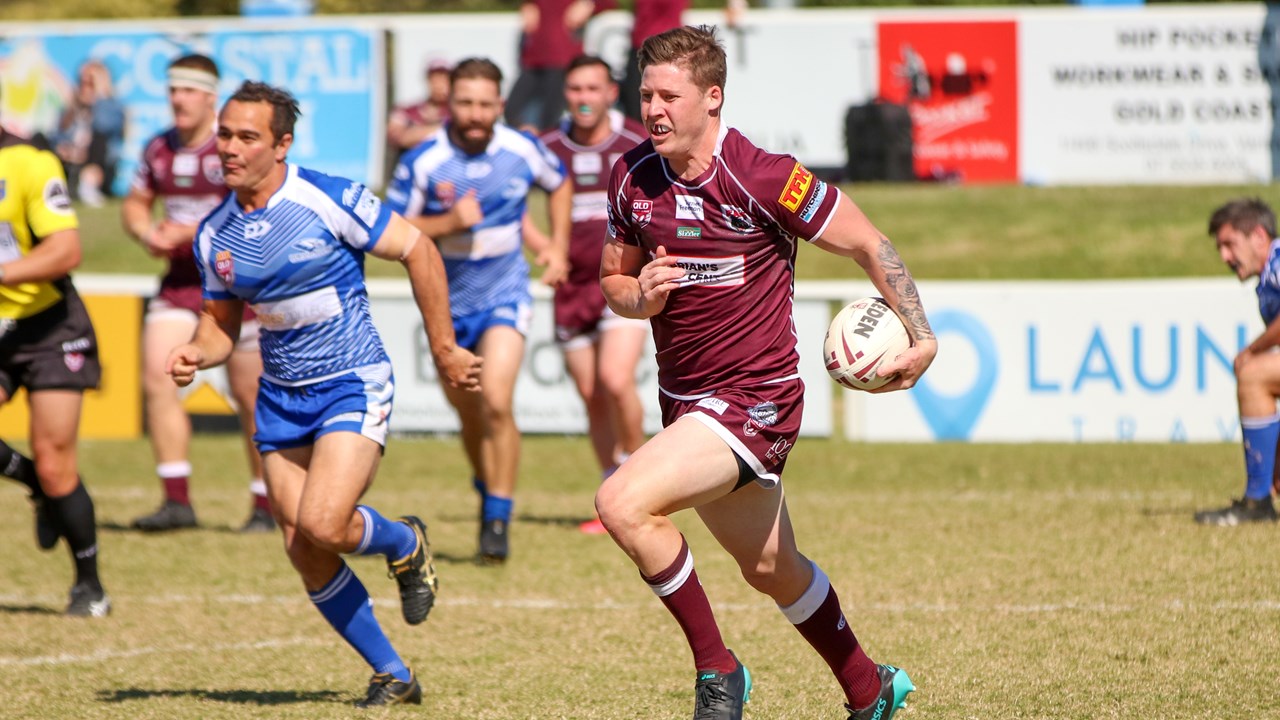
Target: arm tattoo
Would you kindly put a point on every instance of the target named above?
(898, 277)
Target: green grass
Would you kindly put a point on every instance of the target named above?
(1027, 581)
(943, 232)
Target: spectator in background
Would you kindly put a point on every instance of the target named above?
(90, 133)
(653, 17)
(551, 36)
(411, 124)
(601, 350)
(1245, 232)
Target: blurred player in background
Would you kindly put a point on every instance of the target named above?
(704, 230)
(291, 242)
(180, 166)
(601, 350)
(551, 37)
(47, 345)
(467, 187)
(1245, 233)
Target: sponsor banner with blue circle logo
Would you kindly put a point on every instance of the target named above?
(336, 73)
(1104, 361)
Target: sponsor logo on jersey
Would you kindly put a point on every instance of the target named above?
(737, 219)
(309, 249)
(477, 170)
(1, 189)
(256, 229)
(515, 189)
(212, 167)
(73, 360)
(815, 201)
(225, 266)
(712, 271)
(56, 197)
(688, 232)
(587, 163)
(796, 188)
(689, 208)
(368, 207)
(715, 405)
(760, 416)
(185, 166)
(446, 191)
(641, 212)
(777, 453)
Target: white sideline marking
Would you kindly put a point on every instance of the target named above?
(104, 655)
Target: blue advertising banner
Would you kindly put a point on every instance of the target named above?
(335, 73)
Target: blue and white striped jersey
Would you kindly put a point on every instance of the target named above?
(485, 264)
(1269, 284)
(299, 263)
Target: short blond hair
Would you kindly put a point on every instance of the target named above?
(695, 49)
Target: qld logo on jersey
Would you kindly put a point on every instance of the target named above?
(641, 212)
(225, 266)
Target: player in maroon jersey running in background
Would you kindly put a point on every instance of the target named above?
(703, 232)
(601, 350)
(181, 166)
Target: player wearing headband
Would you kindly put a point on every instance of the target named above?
(180, 166)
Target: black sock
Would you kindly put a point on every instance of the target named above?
(75, 512)
(16, 466)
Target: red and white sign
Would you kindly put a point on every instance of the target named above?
(960, 82)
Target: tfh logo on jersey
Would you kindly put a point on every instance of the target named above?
(225, 266)
(641, 212)
(796, 188)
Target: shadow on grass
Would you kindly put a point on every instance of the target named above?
(242, 697)
(561, 520)
(28, 610)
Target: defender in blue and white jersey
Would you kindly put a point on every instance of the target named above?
(467, 187)
(290, 242)
(1245, 233)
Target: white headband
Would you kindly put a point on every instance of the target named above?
(181, 77)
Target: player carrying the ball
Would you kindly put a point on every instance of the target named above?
(702, 239)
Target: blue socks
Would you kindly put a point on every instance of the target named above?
(497, 508)
(492, 507)
(344, 602)
(384, 537)
(1260, 435)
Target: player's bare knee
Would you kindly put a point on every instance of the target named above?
(324, 530)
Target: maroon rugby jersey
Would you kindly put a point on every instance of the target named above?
(589, 167)
(733, 229)
(189, 181)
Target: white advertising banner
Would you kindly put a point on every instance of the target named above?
(1101, 361)
(546, 400)
(792, 75)
(1148, 95)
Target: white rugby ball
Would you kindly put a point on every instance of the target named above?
(864, 335)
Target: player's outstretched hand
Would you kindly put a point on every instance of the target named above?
(183, 363)
(460, 368)
(908, 367)
(466, 211)
(657, 280)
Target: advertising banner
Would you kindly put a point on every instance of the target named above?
(545, 400)
(1099, 361)
(1149, 95)
(336, 73)
(959, 80)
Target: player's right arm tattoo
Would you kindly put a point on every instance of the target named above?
(899, 278)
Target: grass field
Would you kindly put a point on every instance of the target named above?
(943, 232)
(1011, 581)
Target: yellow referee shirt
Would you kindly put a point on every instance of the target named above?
(34, 204)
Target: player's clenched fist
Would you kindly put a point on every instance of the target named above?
(183, 363)
(658, 278)
(460, 368)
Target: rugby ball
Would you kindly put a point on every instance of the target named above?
(864, 335)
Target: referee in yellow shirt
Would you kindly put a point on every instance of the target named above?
(47, 345)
